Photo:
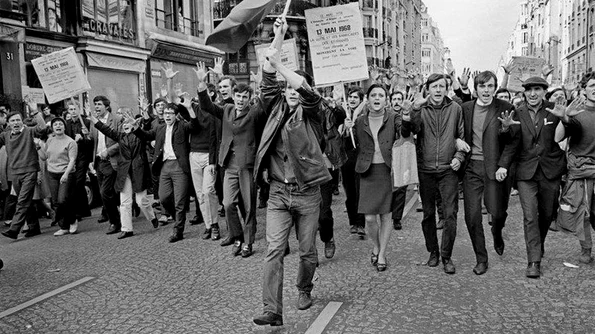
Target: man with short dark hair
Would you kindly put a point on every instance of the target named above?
(23, 162)
(239, 140)
(486, 166)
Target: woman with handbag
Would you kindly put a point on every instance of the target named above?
(375, 134)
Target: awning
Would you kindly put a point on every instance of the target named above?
(8, 33)
(172, 49)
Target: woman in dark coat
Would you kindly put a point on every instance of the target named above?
(134, 174)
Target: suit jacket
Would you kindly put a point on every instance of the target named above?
(85, 145)
(113, 149)
(180, 143)
(494, 141)
(241, 131)
(389, 132)
(535, 145)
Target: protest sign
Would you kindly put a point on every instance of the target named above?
(336, 43)
(522, 69)
(288, 55)
(35, 94)
(61, 75)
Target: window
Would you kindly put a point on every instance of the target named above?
(525, 37)
(424, 22)
(109, 19)
(425, 38)
(46, 14)
(425, 53)
(188, 17)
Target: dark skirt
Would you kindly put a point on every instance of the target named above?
(375, 190)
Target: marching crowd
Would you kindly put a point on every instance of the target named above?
(293, 146)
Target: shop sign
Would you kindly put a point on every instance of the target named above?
(114, 30)
(34, 50)
(182, 55)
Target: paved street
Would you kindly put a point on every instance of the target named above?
(146, 285)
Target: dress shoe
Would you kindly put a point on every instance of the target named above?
(449, 267)
(480, 268)
(32, 232)
(215, 232)
(246, 250)
(102, 219)
(155, 223)
(434, 259)
(74, 227)
(237, 248)
(125, 234)
(176, 237)
(268, 318)
(440, 224)
(381, 266)
(361, 231)
(207, 233)
(10, 234)
(352, 229)
(374, 259)
(226, 242)
(498, 241)
(61, 232)
(196, 220)
(397, 224)
(329, 249)
(7, 222)
(304, 300)
(585, 256)
(533, 270)
(25, 229)
(113, 229)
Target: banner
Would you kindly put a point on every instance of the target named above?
(522, 69)
(336, 40)
(61, 75)
(288, 55)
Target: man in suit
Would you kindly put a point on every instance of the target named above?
(80, 134)
(239, 141)
(541, 164)
(106, 153)
(171, 161)
(486, 138)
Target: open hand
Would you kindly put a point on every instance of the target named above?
(200, 71)
(168, 70)
(464, 78)
(507, 119)
(218, 68)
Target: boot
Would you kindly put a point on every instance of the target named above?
(585, 256)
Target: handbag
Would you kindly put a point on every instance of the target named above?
(404, 162)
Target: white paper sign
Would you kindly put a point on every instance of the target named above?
(61, 75)
(522, 69)
(36, 94)
(288, 55)
(336, 42)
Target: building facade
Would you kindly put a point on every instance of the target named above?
(433, 52)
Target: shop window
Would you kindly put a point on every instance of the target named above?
(45, 14)
(185, 16)
(110, 20)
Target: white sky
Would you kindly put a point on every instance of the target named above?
(475, 31)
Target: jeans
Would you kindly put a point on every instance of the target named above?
(63, 198)
(539, 200)
(126, 205)
(326, 221)
(173, 192)
(203, 179)
(238, 183)
(445, 183)
(287, 204)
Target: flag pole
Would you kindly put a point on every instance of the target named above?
(286, 9)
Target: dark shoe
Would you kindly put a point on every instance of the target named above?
(207, 233)
(247, 250)
(25, 229)
(480, 268)
(304, 300)
(164, 220)
(125, 234)
(226, 242)
(381, 266)
(329, 249)
(498, 241)
(102, 219)
(449, 267)
(374, 259)
(533, 270)
(287, 250)
(32, 233)
(53, 223)
(176, 237)
(397, 224)
(135, 210)
(113, 229)
(268, 318)
(155, 222)
(237, 248)
(10, 234)
(352, 229)
(440, 224)
(196, 220)
(361, 231)
(419, 208)
(215, 232)
(434, 259)
(585, 256)
(554, 227)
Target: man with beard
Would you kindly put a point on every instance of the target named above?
(486, 168)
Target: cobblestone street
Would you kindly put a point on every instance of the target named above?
(144, 284)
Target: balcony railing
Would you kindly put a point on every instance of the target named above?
(297, 7)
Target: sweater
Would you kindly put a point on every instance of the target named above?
(59, 152)
(21, 151)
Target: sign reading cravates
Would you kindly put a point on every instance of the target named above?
(522, 69)
(336, 42)
(61, 75)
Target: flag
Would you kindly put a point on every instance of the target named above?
(237, 28)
